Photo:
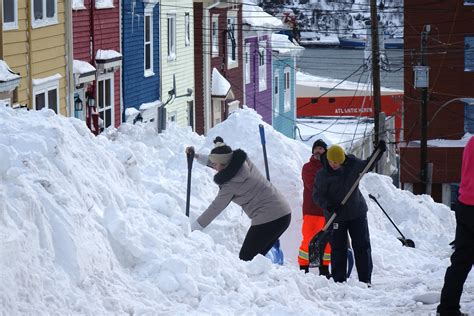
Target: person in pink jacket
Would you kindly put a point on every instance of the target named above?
(463, 257)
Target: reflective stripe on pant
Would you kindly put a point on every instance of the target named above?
(312, 224)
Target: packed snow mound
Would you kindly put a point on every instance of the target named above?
(96, 225)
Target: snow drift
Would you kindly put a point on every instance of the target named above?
(96, 225)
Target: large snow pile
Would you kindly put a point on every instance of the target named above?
(96, 225)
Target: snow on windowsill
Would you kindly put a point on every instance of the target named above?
(6, 74)
(44, 22)
(149, 73)
(104, 4)
(37, 82)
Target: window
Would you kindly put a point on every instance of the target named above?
(262, 68)
(215, 35)
(191, 114)
(287, 90)
(187, 30)
(46, 96)
(10, 15)
(247, 64)
(171, 36)
(276, 93)
(148, 38)
(44, 12)
(468, 2)
(469, 53)
(105, 101)
(232, 40)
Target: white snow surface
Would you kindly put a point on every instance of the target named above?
(107, 54)
(282, 44)
(82, 67)
(6, 74)
(96, 226)
(253, 15)
(220, 85)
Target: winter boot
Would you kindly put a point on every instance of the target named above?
(305, 268)
(324, 270)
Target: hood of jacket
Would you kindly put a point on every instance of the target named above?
(238, 158)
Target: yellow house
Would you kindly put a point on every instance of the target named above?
(34, 45)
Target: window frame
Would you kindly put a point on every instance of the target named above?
(45, 21)
(171, 36)
(46, 88)
(232, 40)
(148, 14)
(248, 68)
(276, 93)
(469, 57)
(287, 89)
(104, 78)
(215, 35)
(187, 29)
(262, 66)
(14, 24)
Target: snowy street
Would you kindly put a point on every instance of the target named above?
(96, 226)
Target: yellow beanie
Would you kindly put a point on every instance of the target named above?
(336, 154)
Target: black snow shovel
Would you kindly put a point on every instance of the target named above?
(319, 241)
(406, 242)
(190, 158)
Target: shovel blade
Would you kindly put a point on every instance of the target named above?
(316, 248)
(407, 242)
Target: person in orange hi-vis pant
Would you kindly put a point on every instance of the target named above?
(313, 214)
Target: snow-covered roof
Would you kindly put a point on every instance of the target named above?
(253, 15)
(443, 142)
(6, 74)
(282, 44)
(304, 79)
(220, 85)
(107, 54)
(82, 67)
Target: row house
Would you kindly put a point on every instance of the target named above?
(177, 61)
(284, 82)
(34, 46)
(141, 56)
(450, 56)
(258, 28)
(97, 63)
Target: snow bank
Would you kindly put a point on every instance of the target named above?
(96, 225)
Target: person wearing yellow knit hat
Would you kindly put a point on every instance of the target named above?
(340, 171)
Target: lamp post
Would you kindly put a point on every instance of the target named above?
(423, 158)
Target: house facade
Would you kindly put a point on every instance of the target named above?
(97, 63)
(284, 82)
(177, 61)
(258, 28)
(34, 45)
(450, 56)
(141, 54)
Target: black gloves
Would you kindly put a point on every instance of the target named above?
(382, 146)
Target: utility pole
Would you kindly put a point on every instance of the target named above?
(424, 114)
(375, 69)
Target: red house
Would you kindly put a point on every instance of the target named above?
(97, 63)
(450, 56)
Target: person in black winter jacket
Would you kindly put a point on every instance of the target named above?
(333, 182)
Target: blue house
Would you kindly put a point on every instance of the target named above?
(141, 55)
(284, 82)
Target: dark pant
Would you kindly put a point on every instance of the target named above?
(260, 238)
(461, 261)
(359, 231)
